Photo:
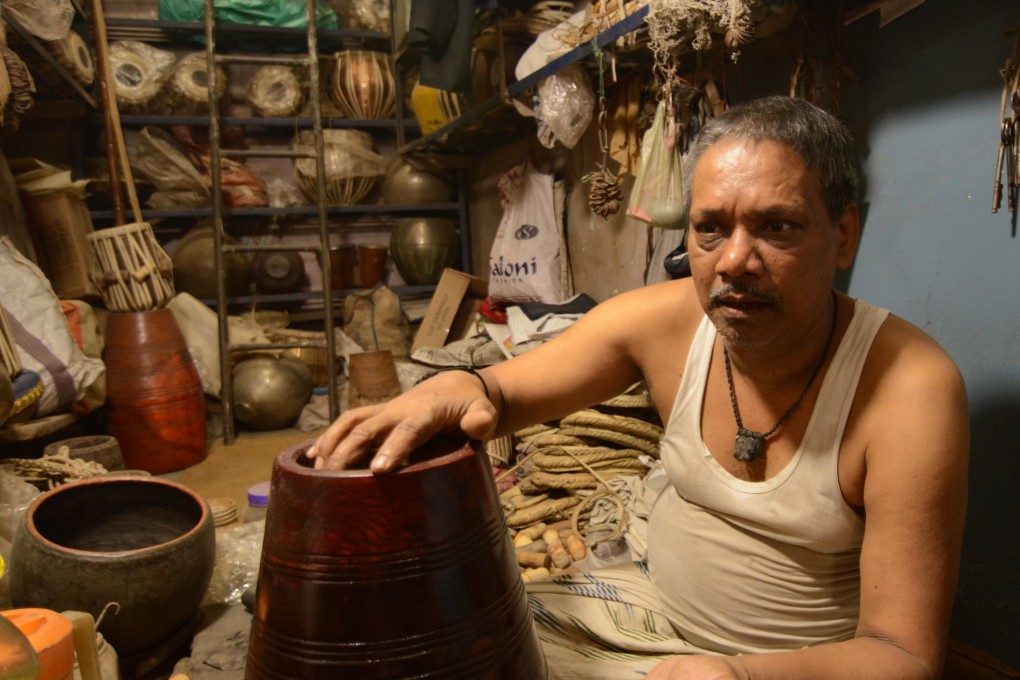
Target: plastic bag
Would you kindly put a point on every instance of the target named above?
(567, 104)
(45, 19)
(281, 13)
(139, 72)
(524, 263)
(160, 159)
(236, 569)
(658, 193)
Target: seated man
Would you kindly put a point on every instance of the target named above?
(816, 446)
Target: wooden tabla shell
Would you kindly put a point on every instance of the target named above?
(409, 574)
(363, 84)
(188, 87)
(132, 270)
(73, 54)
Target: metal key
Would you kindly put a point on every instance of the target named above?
(997, 193)
(1006, 140)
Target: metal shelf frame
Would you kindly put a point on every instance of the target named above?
(311, 62)
(437, 139)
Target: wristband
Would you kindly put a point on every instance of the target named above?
(466, 369)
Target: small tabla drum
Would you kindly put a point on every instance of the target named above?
(188, 87)
(72, 52)
(132, 270)
(363, 84)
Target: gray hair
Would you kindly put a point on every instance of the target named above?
(819, 138)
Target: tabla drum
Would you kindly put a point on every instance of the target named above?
(188, 87)
(133, 272)
(363, 84)
(416, 567)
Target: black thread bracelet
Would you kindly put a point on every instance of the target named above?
(466, 369)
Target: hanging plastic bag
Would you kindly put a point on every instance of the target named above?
(658, 194)
(524, 263)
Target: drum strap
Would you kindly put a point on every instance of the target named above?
(62, 379)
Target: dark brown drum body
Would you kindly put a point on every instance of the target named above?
(405, 575)
(156, 405)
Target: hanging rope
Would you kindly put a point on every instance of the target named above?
(605, 196)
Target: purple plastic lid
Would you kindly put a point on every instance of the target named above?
(259, 494)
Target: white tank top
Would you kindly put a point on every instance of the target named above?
(747, 567)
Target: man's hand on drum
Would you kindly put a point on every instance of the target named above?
(446, 402)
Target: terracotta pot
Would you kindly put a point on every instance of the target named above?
(155, 402)
(422, 247)
(146, 543)
(410, 574)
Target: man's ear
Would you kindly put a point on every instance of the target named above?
(848, 232)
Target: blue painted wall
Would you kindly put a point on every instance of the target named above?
(926, 115)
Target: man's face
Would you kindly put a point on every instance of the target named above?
(763, 250)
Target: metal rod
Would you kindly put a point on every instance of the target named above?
(320, 187)
(266, 153)
(252, 59)
(226, 360)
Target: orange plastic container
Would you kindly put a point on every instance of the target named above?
(51, 635)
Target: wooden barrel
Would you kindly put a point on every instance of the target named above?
(409, 574)
(155, 401)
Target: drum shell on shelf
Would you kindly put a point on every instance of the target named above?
(363, 84)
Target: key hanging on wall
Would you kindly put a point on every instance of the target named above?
(1009, 133)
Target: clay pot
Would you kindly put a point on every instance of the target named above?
(195, 266)
(422, 247)
(269, 393)
(102, 449)
(154, 395)
(416, 567)
(146, 543)
(408, 182)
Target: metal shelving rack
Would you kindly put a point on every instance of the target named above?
(309, 60)
(440, 139)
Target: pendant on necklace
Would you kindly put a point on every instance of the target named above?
(748, 446)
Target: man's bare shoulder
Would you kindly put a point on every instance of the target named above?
(910, 383)
(904, 357)
(658, 306)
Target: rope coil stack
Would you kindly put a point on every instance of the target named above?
(569, 474)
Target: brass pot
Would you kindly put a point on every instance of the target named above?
(408, 182)
(195, 266)
(269, 393)
(422, 247)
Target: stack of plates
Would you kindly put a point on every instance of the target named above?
(224, 511)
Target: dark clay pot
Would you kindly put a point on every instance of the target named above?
(146, 543)
(410, 574)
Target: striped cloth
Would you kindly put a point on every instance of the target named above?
(604, 624)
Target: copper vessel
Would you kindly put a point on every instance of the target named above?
(409, 574)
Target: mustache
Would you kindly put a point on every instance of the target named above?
(742, 289)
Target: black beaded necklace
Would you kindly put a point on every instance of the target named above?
(750, 444)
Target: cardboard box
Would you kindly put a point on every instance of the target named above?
(452, 310)
(60, 225)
